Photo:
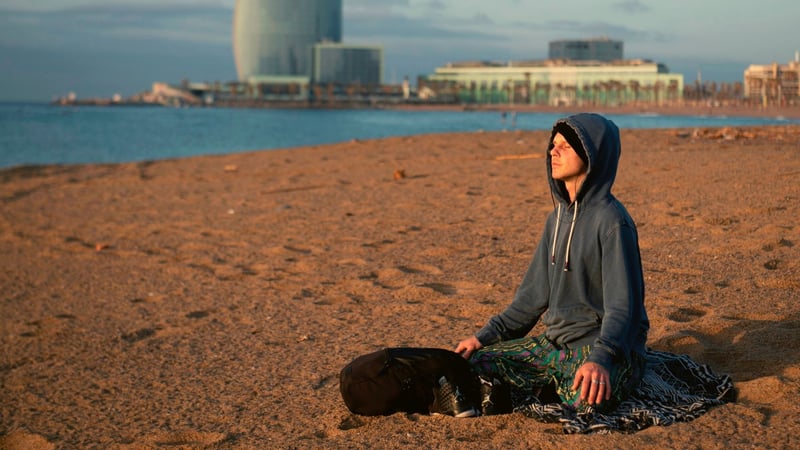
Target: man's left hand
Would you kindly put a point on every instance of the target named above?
(594, 383)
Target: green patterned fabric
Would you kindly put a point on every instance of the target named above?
(531, 363)
(674, 388)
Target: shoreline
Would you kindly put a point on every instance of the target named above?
(489, 118)
(791, 113)
(687, 109)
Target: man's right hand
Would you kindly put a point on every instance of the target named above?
(468, 346)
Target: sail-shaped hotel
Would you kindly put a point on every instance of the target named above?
(275, 38)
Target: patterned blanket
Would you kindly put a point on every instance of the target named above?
(674, 388)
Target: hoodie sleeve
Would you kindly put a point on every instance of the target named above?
(530, 302)
(623, 296)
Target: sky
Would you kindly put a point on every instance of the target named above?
(98, 48)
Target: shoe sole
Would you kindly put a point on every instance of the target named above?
(472, 412)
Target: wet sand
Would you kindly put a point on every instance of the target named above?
(210, 302)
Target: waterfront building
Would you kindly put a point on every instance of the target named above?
(598, 49)
(774, 84)
(557, 82)
(273, 39)
(334, 62)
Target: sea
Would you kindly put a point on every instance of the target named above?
(44, 134)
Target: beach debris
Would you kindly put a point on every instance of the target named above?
(101, 246)
(231, 168)
(726, 133)
(399, 174)
(305, 337)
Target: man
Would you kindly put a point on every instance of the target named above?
(584, 282)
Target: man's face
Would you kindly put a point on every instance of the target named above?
(566, 165)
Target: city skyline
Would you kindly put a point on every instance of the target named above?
(97, 49)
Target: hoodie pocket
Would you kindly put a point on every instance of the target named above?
(578, 317)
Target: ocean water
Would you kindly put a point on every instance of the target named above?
(44, 134)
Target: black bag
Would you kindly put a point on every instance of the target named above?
(401, 379)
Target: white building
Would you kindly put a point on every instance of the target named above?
(773, 83)
(559, 82)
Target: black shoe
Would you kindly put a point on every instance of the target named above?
(449, 399)
(495, 397)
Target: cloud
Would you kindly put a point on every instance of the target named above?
(436, 5)
(373, 8)
(41, 73)
(117, 47)
(393, 25)
(575, 29)
(631, 7)
(145, 8)
(120, 5)
(482, 19)
(200, 22)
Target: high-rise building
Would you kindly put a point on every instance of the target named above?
(273, 39)
(599, 49)
(347, 64)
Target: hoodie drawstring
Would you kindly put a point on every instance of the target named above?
(555, 236)
(569, 238)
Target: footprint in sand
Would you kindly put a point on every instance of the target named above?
(442, 288)
(378, 244)
(351, 422)
(685, 315)
(421, 269)
(771, 246)
(190, 439)
(197, 314)
(25, 441)
(304, 251)
(138, 335)
(47, 325)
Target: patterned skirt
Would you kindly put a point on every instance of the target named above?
(672, 388)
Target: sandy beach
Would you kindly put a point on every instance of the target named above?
(210, 302)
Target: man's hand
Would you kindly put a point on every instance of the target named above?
(594, 383)
(468, 346)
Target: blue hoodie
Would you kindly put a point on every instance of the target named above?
(585, 280)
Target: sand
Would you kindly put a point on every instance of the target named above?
(210, 302)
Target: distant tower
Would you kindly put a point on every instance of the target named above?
(600, 49)
(276, 37)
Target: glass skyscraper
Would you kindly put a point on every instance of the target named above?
(347, 64)
(274, 38)
(600, 49)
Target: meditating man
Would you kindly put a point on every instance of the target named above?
(584, 282)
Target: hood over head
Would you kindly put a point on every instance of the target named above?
(599, 146)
